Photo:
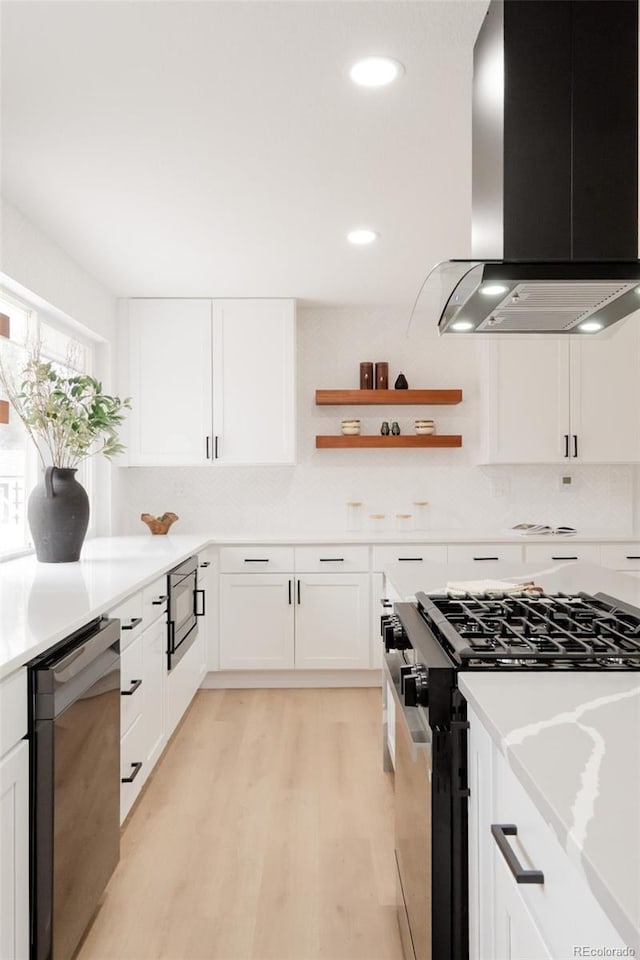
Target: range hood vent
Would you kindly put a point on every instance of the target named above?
(555, 172)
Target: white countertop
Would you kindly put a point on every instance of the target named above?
(41, 603)
(573, 742)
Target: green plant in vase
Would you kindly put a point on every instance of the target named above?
(69, 418)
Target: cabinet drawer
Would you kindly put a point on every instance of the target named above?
(620, 556)
(131, 692)
(557, 552)
(13, 710)
(129, 612)
(338, 558)
(412, 554)
(256, 559)
(484, 553)
(131, 759)
(564, 908)
(154, 600)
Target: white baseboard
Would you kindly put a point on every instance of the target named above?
(237, 679)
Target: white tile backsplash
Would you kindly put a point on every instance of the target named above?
(312, 495)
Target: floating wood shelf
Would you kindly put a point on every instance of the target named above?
(373, 440)
(4, 411)
(433, 397)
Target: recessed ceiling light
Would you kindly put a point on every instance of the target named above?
(463, 326)
(362, 236)
(590, 326)
(492, 289)
(375, 71)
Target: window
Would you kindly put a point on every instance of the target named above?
(20, 468)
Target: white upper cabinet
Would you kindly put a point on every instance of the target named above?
(211, 381)
(254, 381)
(169, 381)
(563, 400)
(605, 395)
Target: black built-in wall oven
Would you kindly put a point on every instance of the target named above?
(186, 604)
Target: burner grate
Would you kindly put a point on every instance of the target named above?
(544, 630)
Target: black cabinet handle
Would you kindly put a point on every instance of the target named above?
(564, 558)
(385, 602)
(566, 444)
(134, 623)
(298, 592)
(486, 558)
(409, 559)
(160, 600)
(215, 448)
(289, 592)
(137, 767)
(205, 563)
(256, 560)
(196, 594)
(632, 558)
(132, 689)
(575, 444)
(208, 447)
(331, 559)
(500, 833)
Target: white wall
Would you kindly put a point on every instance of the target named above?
(311, 496)
(35, 268)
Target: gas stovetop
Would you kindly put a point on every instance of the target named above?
(535, 631)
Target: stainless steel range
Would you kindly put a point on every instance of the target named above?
(426, 644)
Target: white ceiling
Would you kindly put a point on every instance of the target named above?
(219, 148)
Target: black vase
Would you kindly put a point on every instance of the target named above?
(58, 514)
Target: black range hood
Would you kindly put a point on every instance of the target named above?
(555, 171)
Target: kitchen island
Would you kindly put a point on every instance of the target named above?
(571, 740)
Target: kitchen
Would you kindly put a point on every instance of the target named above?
(475, 493)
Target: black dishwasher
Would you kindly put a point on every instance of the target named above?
(74, 732)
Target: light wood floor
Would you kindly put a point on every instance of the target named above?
(265, 833)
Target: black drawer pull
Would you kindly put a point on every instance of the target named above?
(132, 689)
(500, 833)
(486, 558)
(386, 602)
(564, 558)
(134, 623)
(137, 767)
(206, 563)
(256, 560)
(331, 559)
(156, 603)
(409, 559)
(632, 558)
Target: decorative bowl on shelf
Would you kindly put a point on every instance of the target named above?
(350, 428)
(159, 525)
(424, 427)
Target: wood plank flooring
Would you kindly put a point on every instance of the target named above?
(265, 833)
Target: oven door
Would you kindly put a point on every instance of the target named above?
(413, 777)
(183, 611)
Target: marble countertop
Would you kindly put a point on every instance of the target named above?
(573, 742)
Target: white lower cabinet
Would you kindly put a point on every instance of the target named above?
(303, 620)
(154, 672)
(509, 920)
(332, 621)
(182, 683)
(14, 853)
(256, 621)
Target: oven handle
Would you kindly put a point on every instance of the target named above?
(500, 833)
(198, 613)
(418, 733)
(172, 636)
